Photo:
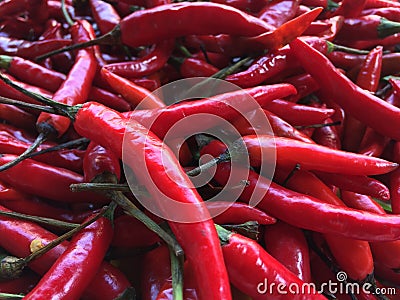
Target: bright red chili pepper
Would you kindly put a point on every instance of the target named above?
(289, 152)
(43, 180)
(213, 283)
(104, 15)
(279, 12)
(225, 106)
(327, 136)
(353, 99)
(237, 213)
(390, 13)
(288, 245)
(304, 84)
(317, 216)
(244, 256)
(16, 236)
(298, 114)
(358, 184)
(146, 65)
(27, 49)
(67, 279)
(373, 143)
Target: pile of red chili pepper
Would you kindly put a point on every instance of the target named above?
(324, 73)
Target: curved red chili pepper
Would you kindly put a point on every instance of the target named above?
(350, 8)
(289, 152)
(346, 93)
(327, 136)
(146, 65)
(288, 245)
(213, 283)
(278, 12)
(390, 13)
(48, 181)
(16, 236)
(317, 216)
(304, 84)
(66, 279)
(216, 59)
(192, 67)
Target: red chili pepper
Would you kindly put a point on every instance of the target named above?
(16, 236)
(225, 106)
(381, 3)
(298, 114)
(156, 270)
(38, 11)
(350, 8)
(132, 93)
(317, 216)
(353, 99)
(279, 127)
(279, 12)
(26, 49)
(17, 116)
(48, 181)
(289, 152)
(244, 256)
(104, 15)
(192, 67)
(327, 136)
(21, 285)
(352, 255)
(146, 65)
(237, 213)
(313, 3)
(358, 184)
(21, 28)
(11, 7)
(66, 279)
(373, 143)
(55, 11)
(304, 84)
(212, 282)
(390, 13)
(252, 6)
(216, 59)
(288, 245)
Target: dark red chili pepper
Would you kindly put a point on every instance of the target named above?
(350, 8)
(367, 27)
(327, 136)
(67, 279)
(244, 256)
(129, 232)
(298, 114)
(156, 270)
(146, 65)
(304, 84)
(38, 11)
(154, 3)
(21, 28)
(11, 7)
(104, 15)
(288, 245)
(279, 127)
(373, 143)
(381, 3)
(289, 152)
(48, 182)
(237, 213)
(16, 237)
(252, 6)
(55, 11)
(353, 99)
(358, 184)
(317, 216)
(395, 191)
(21, 285)
(17, 116)
(279, 12)
(390, 13)
(225, 106)
(192, 67)
(132, 93)
(26, 49)
(313, 3)
(108, 99)
(216, 59)
(213, 283)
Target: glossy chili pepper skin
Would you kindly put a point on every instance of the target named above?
(105, 15)
(67, 279)
(158, 23)
(317, 216)
(244, 256)
(288, 245)
(279, 12)
(192, 67)
(215, 280)
(44, 180)
(350, 9)
(146, 65)
(354, 100)
(16, 236)
(75, 89)
(314, 157)
(26, 49)
(17, 116)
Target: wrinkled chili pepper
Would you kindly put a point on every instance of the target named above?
(346, 93)
(288, 245)
(66, 279)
